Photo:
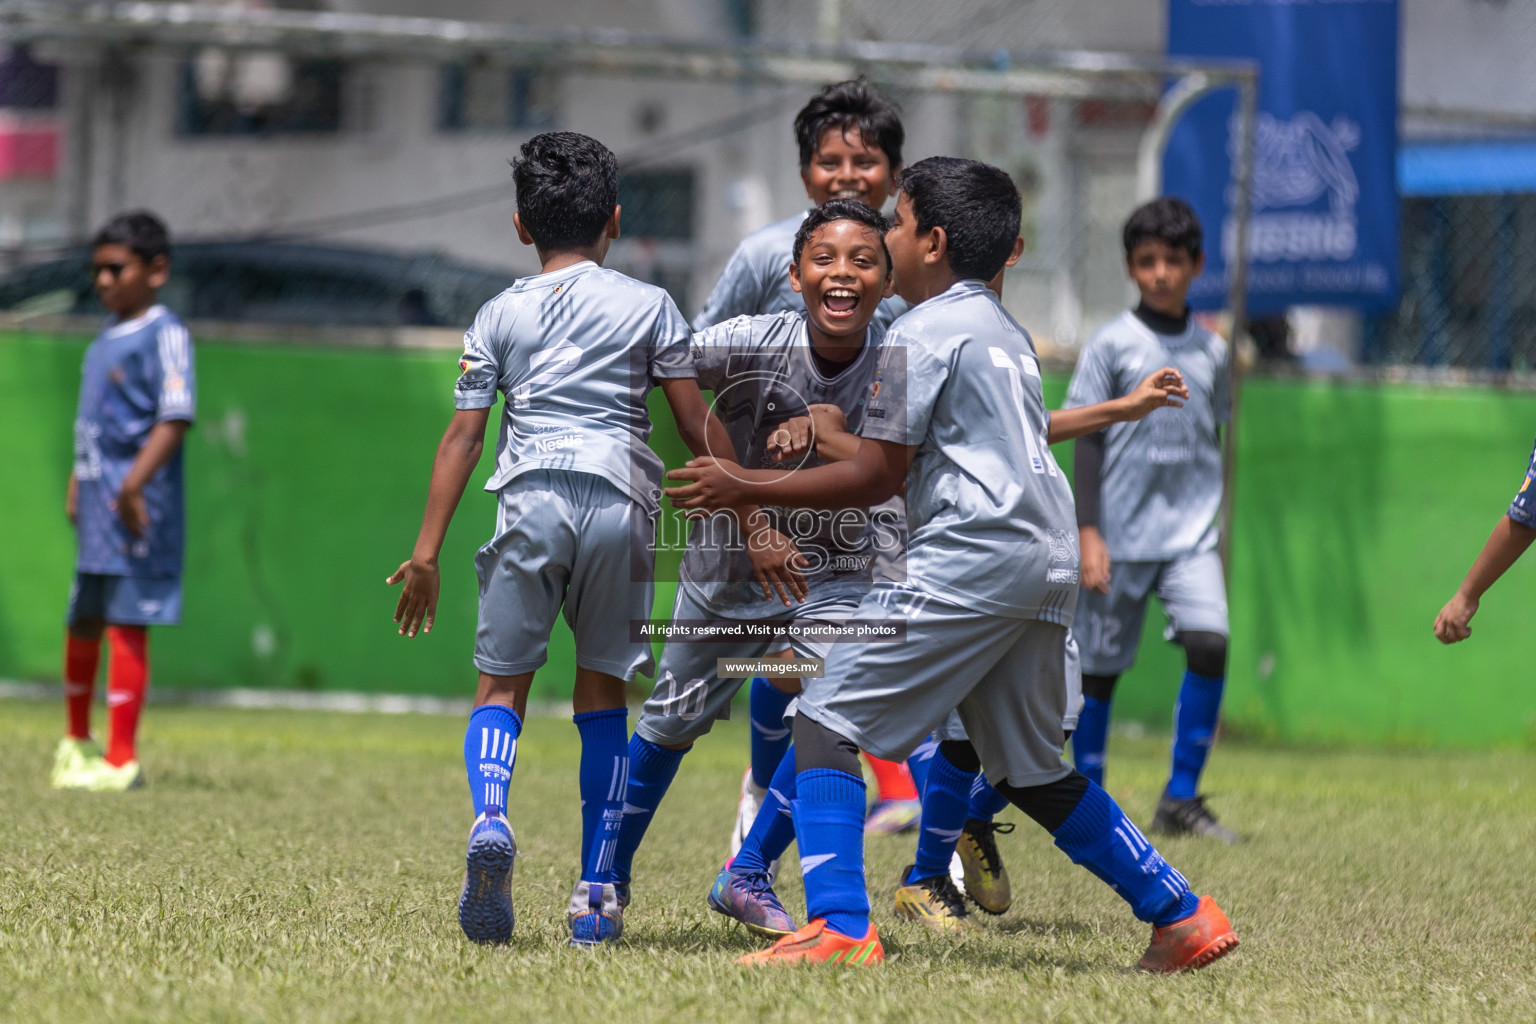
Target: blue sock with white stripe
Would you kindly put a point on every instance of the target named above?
(918, 762)
(604, 781)
(986, 802)
(1099, 836)
(1090, 738)
(651, 771)
(766, 705)
(945, 801)
(1194, 730)
(490, 750)
(829, 826)
(774, 828)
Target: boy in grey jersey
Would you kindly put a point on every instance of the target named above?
(849, 138)
(574, 350)
(992, 580)
(764, 371)
(1148, 497)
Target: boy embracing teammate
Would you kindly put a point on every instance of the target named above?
(137, 400)
(575, 350)
(959, 420)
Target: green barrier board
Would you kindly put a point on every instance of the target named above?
(1358, 510)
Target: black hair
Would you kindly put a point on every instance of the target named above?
(567, 186)
(1169, 220)
(976, 204)
(843, 209)
(138, 231)
(848, 105)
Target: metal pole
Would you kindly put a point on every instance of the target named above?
(1237, 295)
(1154, 141)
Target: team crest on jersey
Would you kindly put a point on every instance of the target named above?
(874, 389)
(1063, 545)
(464, 364)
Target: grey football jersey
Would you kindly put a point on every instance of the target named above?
(990, 514)
(756, 280)
(575, 352)
(761, 371)
(1161, 485)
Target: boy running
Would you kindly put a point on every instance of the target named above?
(125, 499)
(765, 370)
(849, 138)
(1147, 498)
(991, 582)
(574, 350)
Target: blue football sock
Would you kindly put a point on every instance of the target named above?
(1194, 730)
(1099, 836)
(918, 762)
(774, 828)
(604, 781)
(986, 802)
(1090, 739)
(651, 770)
(829, 826)
(490, 750)
(766, 705)
(945, 802)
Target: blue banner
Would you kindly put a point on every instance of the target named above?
(1324, 214)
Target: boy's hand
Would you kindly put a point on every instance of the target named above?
(1165, 387)
(1095, 555)
(709, 487)
(131, 510)
(777, 563)
(1453, 624)
(792, 438)
(417, 607)
(72, 501)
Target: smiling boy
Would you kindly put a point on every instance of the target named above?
(849, 137)
(765, 370)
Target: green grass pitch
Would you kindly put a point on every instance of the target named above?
(304, 867)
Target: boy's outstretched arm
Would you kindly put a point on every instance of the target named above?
(1506, 544)
(875, 473)
(775, 559)
(1165, 387)
(457, 455)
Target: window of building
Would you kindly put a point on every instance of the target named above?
(657, 204)
(236, 92)
(484, 96)
(24, 83)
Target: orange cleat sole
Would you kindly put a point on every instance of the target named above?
(1198, 940)
(816, 943)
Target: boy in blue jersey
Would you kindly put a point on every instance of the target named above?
(1508, 541)
(126, 501)
(849, 138)
(764, 371)
(574, 350)
(1147, 498)
(992, 570)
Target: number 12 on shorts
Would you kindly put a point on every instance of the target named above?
(1040, 462)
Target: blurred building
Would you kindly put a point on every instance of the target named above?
(411, 153)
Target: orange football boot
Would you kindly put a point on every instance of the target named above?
(1199, 939)
(816, 943)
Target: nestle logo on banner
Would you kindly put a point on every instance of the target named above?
(1296, 163)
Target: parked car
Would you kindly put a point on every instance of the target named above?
(280, 283)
